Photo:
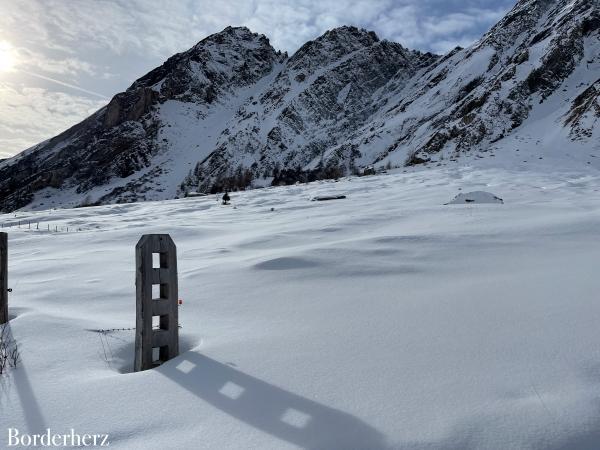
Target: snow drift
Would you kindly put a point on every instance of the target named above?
(475, 197)
(379, 321)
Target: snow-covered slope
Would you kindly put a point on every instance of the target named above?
(232, 112)
(144, 142)
(386, 320)
(523, 79)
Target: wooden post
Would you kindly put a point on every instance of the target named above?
(159, 343)
(3, 278)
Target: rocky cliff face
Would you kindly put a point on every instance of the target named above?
(232, 111)
(119, 143)
(319, 98)
(528, 66)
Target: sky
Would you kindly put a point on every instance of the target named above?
(61, 60)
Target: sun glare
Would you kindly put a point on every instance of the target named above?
(7, 57)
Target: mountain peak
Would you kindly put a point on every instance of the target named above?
(233, 36)
(242, 33)
(237, 29)
(238, 50)
(333, 44)
(352, 33)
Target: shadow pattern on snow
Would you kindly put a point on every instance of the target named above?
(34, 419)
(122, 349)
(280, 413)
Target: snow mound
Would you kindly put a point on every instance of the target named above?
(475, 197)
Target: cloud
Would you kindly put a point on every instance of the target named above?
(34, 60)
(31, 115)
(160, 28)
(68, 85)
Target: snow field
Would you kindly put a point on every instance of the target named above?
(386, 320)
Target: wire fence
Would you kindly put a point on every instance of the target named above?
(104, 333)
(40, 226)
(111, 330)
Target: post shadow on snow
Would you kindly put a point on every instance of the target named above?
(33, 416)
(122, 349)
(15, 311)
(589, 438)
(584, 441)
(282, 414)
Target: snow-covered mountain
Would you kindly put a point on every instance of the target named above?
(232, 111)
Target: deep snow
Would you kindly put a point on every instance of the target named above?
(384, 320)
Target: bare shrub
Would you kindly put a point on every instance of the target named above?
(9, 350)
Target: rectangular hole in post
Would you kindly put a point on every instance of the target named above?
(164, 260)
(164, 322)
(160, 322)
(164, 353)
(155, 260)
(155, 355)
(160, 355)
(160, 291)
(164, 291)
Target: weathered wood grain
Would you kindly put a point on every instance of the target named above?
(166, 307)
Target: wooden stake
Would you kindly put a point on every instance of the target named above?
(3, 278)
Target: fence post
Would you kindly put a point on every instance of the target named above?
(3, 278)
(156, 342)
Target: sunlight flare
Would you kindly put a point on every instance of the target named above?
(7, 57)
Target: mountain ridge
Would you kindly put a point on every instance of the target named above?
(232, 112)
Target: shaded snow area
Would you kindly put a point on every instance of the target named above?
(386, 320)
(475, 197)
